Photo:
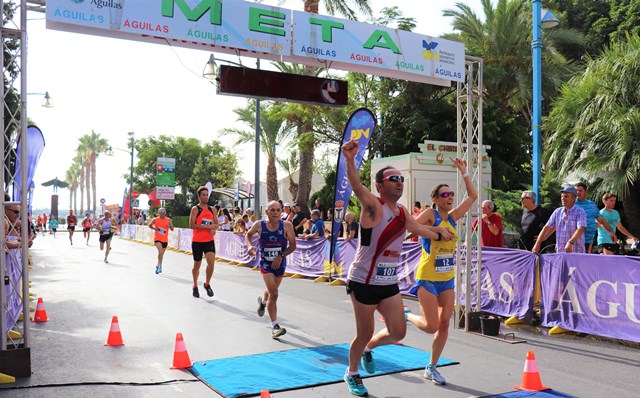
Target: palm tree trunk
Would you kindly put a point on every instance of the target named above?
(87, 179)
(306, 146)
(272, 179)
(81, 187)
(93, 180)
(75, 199)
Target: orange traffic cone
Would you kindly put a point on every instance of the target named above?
(181, 358)
(41, 313)
(115, 337)
(531, 376)
(265, 394)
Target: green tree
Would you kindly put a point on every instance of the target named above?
(596, 126)
(196, 163)
(273, 132)
(93, 145)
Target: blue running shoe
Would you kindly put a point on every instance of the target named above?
(431, 373)
(407, 311)
(158, 269)
(367, 362)
(356, 387)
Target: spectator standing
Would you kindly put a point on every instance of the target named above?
(299, 219)
(533, 219)
(491, 226)
(593, 214)
(318, 206)
(612, 216)
(224, 223)
(351, 232)
(569, 223)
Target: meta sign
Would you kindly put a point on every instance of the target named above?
(267, 32)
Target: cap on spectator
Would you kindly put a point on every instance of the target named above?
(250, 209)
(287, 204)
(570, 190)
(296, 204)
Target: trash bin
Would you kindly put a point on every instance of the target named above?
(474, 321)
(490, 325)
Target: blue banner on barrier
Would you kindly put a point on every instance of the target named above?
(592, 294)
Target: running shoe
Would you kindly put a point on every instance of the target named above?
(367, 362)
(431, 373)
(261, 307)
(278, 331)
(407, 311)
(106, 261)
(196, 293)
(158, 269)
(356, 387)
(208, 289)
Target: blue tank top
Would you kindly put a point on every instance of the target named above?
(272, 243)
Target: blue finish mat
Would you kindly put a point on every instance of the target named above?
(531, 394)
(305, 367)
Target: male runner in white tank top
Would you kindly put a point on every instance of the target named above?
(373, 283)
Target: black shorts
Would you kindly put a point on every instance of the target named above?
(105, 237)
(371, 294)
(612, 247)
(164, 244)
(86, 229)
(71, 228)
(200, 248)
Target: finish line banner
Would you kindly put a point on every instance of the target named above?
(592, 294)
(268, 32)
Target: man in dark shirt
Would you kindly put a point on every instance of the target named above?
(318, 206)
(533, 219)
(299, 219)
(352, 226)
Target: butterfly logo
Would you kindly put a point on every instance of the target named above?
(428, 48)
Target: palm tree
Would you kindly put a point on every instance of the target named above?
(289, 165)
(503, 40)
(95, 145)
(79, 161)
(306, 141)
(71, 178)
(273, 131)
(596, 125)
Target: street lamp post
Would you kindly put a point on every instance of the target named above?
(541, 19)
(210, 72)
(47, 102)
(131, 179)
(110, 153)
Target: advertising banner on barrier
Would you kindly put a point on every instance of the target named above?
(308, 258)
(508, 282)
(592, 294)
(231, 247)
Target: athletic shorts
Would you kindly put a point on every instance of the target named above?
(164, 244)
(371, 294)
(433, 287)
(612, 247)
(71, 228)
(105, 237)
(86, 229)
(265, 268)
(201, 248)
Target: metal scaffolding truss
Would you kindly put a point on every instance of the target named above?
(14, 271)
(469, 122)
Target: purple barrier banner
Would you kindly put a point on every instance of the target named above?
(343, 257)
(13, 263)
(185, 239)
(309, 257)
(409, 259)
(508, 282)
(231, 247)
(592, 294)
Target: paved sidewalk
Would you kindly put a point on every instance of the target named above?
(81, 293)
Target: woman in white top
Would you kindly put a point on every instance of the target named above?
(223, 221)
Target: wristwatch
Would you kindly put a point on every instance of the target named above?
(572, 242)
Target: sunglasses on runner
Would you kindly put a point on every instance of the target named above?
(394, 178)
(449, 194)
